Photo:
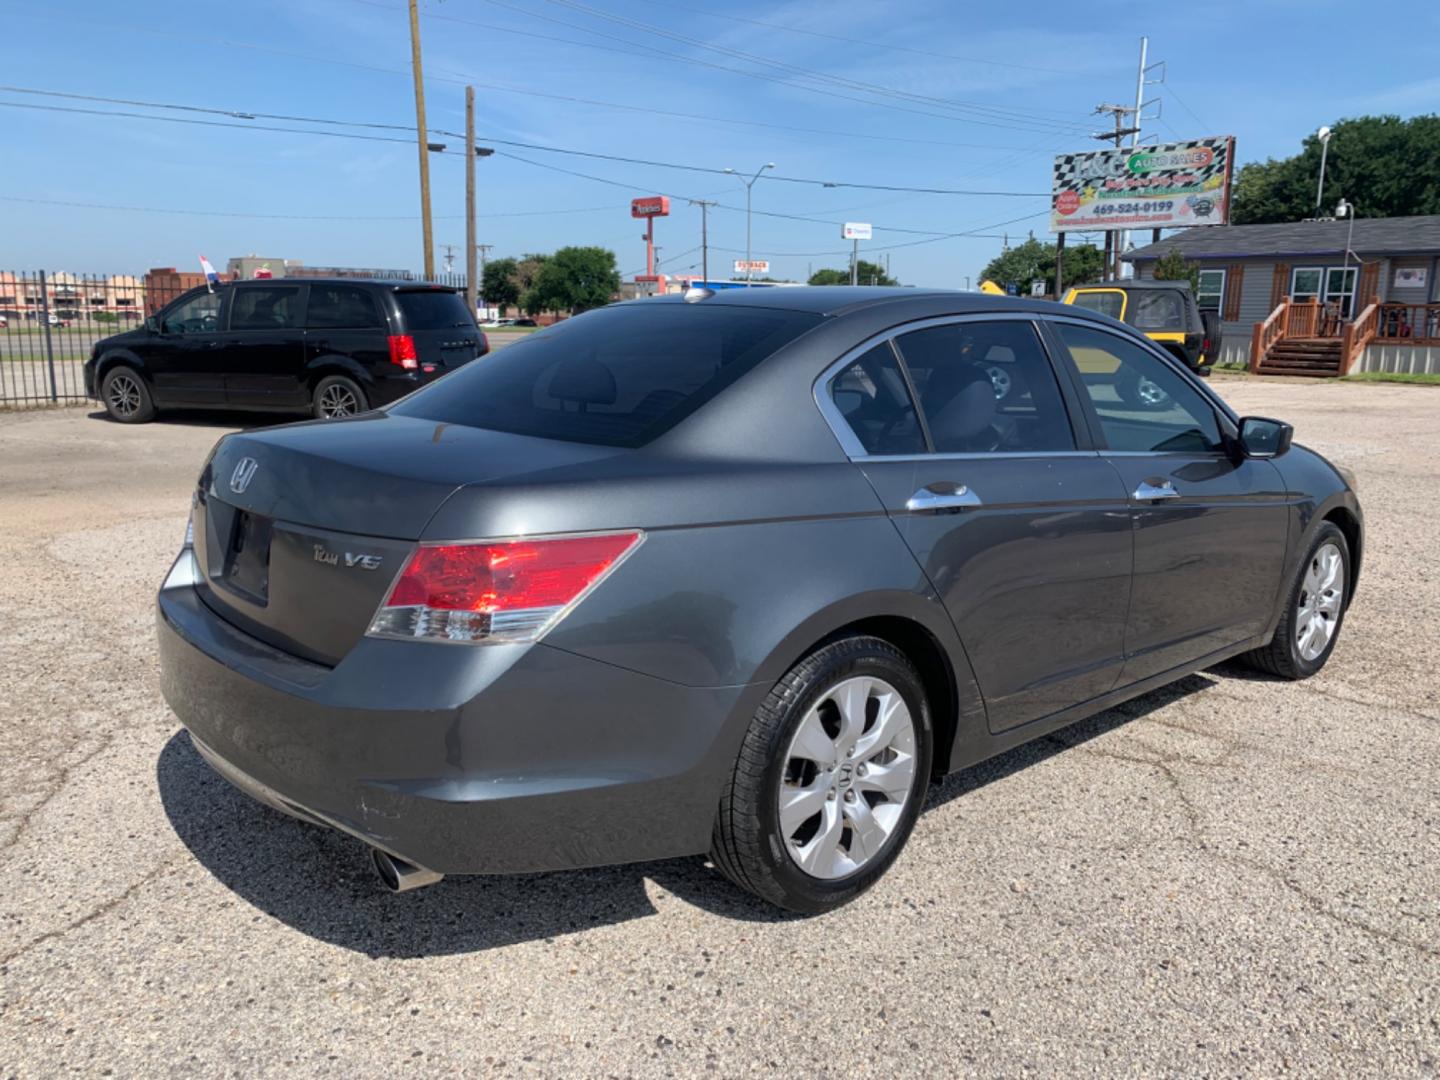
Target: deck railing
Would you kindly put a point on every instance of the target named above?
(1356, 335)
(1412, 324)
(1267, 333)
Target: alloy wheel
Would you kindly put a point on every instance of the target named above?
(123, 395)
(337, 401)
(1317, 611)
(849, 773)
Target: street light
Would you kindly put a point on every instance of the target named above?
(1324, 136)
(748, 185)
(1345, 209)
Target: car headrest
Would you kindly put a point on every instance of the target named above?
(585, 380)
(961, 402)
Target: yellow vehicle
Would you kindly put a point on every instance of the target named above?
(1164, 311)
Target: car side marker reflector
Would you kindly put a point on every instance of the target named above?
(497, 591)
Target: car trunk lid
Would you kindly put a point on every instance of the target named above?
(300, 530)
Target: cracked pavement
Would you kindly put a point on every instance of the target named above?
(1229, 875)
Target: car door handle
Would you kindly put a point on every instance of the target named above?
(1148, 492)
(937, 498)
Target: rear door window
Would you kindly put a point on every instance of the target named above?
(872, 397)
(433, 309)
(275, 307)
(341, 307)
(618, 376)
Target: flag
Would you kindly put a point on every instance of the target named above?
(211, 277)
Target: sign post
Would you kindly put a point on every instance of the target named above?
(649, 208)
(855, 231)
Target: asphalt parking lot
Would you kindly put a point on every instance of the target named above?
(1232, 875)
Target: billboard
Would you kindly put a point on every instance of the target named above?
(1166, 186)
(754, 266)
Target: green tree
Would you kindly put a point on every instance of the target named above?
(1034, 260)
(867, 273)
(499, 285)
(574, 279)
(1385, 166)
(1172, 266)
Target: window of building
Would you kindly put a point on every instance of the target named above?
(1305, 284)
(1211, 293)
(1340, 289)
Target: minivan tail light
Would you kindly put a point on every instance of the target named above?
(402, 351)
(497, 592)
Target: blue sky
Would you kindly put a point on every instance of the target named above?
(982, 96)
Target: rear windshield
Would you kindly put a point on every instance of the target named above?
(619, 376)
(434, 309)
(1106, 303)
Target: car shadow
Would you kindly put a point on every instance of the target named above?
(320, 882)
(217, 418)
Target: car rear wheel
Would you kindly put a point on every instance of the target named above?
(1314, 610)
(126, 397)
(830, 778)
(336, 397)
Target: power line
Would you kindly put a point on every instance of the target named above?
(622, 159)
(651, 52)
(291, 217)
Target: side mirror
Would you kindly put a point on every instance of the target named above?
(1262, 438)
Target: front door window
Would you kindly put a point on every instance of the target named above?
(198, 315)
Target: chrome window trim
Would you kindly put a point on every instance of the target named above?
(854, 449)
(980, 455)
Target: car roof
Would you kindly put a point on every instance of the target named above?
(843, 299)
(401, 284)
(1135, 284)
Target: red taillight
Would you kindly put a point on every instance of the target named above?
(402, 351)
(497, 591)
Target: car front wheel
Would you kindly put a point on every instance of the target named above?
(1314, 610)
(830, 778)
(126, 397)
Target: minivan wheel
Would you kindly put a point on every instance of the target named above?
(1314, 609)
(126, 397)
(336, 397)
(829, 779)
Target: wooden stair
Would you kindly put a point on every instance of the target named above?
(1302, 356)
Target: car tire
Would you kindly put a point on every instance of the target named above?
(336, 397)
(126, 396)
(1315, 606)
(761, 847)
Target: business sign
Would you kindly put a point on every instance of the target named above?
(1411, 277)
(651, 206)
(856, 230)
(754, 266)
(1167, 186)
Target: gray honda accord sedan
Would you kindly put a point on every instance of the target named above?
(738, 573)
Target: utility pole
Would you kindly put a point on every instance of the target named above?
(483, 249)
(422, 135)
(704, 205)
(1119, 112)
(472, 281)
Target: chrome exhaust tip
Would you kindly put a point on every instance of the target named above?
(397, 875)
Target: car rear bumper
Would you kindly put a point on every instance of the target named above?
(460, 759)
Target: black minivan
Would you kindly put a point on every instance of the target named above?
(330, 347)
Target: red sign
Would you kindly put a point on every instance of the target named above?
(1067, 202)
(652, 206)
